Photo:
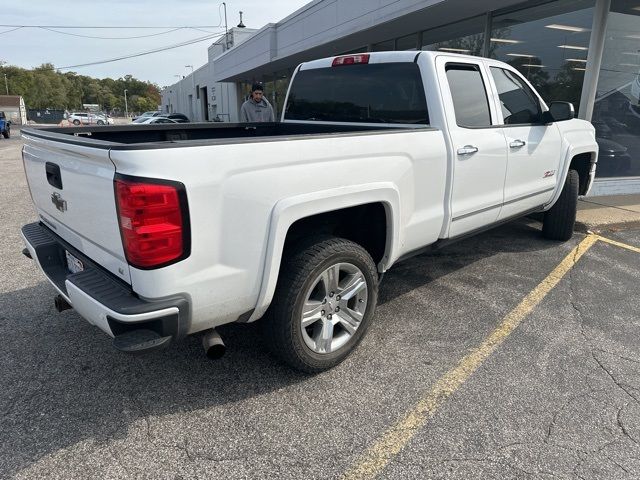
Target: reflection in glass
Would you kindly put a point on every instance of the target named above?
(519, 104)
(385, 46)
(371, 93)
(548, 44)
(467, 87)
(466, 37)
(410, 42)
(616, 114)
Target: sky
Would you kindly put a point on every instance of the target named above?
(30, 47)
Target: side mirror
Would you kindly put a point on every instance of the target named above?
(8, 123)
(560, 111)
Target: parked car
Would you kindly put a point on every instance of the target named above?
(613, 158)
(155, 113)
(82, 118)
(152, 120)
(5, 126)
(178, 117)
(152, 234)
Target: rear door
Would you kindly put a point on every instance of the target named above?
(534, 148)
(479, 146)
(72, 189)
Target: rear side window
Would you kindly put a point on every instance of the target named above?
(367, 93)
(518, 102)
(469, 96)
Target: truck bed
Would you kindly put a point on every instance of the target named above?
(162, 135)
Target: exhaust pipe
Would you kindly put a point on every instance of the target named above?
(213, 345)
(61, 304)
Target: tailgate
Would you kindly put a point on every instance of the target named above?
(72, 189)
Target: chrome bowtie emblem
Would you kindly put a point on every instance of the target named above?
(59, 202)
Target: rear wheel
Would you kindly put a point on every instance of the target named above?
(324, 301)
(559, 221)
(76, 122)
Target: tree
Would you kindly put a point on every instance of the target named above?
(45, 87)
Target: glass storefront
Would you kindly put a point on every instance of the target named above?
(616, 113)
(410, 42)
(548, 44)
(465, 37)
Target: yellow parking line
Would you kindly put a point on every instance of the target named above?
(394, 439)
(619, 244)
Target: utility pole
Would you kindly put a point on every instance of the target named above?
(6, 85)
(126, 106)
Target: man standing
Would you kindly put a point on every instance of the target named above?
(257, 108)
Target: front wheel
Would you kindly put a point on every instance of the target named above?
(76, 122)
(559, 221)
(324, 301)
(6, 133)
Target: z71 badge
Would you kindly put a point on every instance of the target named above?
(549, 173)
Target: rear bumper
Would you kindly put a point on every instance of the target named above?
(100, 297)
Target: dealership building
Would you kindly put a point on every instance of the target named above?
(583, 51)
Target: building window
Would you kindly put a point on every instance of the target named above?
(410, 42)
(466, 37)
(548, 44)
(282, 80)
(385, 46)
(616, 113)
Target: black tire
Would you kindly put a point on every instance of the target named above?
(6, 133)
(282, 326)
(76, 122)
(559, 221)
(100, 122)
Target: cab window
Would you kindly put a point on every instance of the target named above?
(469, 95)
(518, 102)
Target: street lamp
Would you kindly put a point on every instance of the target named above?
(126, 106)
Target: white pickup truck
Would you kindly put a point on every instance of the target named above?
(155, 232)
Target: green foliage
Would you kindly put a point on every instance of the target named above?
(45, 87)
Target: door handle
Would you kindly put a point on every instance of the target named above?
(517, 144)
(467, 150)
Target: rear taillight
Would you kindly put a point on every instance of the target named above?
(350, 59)
(154, 221)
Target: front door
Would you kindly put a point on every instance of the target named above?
(479, 146)
(534, 149)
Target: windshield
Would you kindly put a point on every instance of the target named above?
(367, 93)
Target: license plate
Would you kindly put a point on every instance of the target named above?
(73, 264)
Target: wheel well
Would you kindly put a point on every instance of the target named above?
(582, 164)
(365, 225)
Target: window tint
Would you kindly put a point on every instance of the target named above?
(372, 93)
(469, 96)
(518, 102)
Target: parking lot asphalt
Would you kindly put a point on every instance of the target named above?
(559, 397)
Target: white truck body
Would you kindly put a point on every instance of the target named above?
(244, 194)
